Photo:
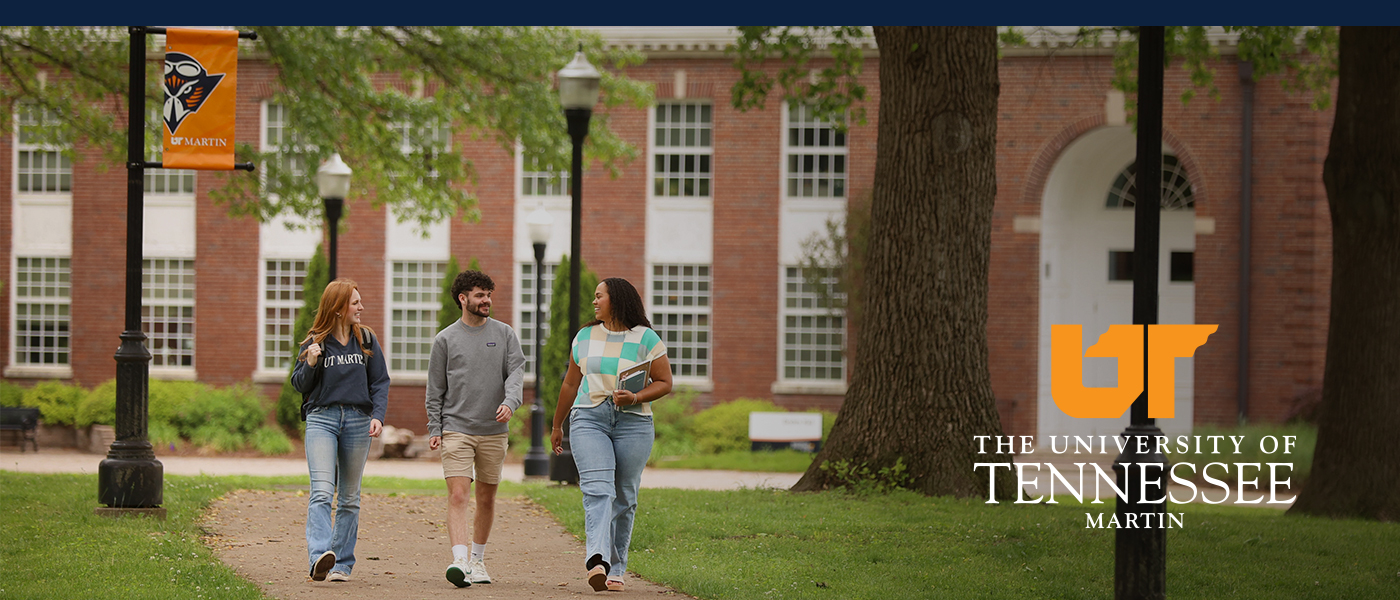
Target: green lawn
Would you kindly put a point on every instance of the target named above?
(779, 461)
(773, 544)
(53, 546)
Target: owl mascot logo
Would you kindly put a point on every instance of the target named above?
(187, 86)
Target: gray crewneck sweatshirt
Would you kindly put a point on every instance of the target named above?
(471, 372)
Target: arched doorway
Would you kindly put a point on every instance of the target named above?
(1086, 244)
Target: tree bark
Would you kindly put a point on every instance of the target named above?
(921, 388)
(1356, 467)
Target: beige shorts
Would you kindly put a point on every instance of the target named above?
(479, 457)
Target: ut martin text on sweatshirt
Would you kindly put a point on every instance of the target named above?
(350, 378)
(471, 372)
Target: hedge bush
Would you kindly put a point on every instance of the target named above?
(672, 417)
(11, 394)
(99, 406)
(725, 427)
(237, 410)
(57, 403)
(271, 441)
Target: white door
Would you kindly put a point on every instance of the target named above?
(1086, 246)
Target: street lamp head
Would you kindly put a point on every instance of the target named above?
(578, 83)
(540, 224)
(333, 178)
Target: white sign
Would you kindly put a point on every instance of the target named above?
(785, 427)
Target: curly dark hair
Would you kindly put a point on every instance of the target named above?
(466, 280)
(627, 304)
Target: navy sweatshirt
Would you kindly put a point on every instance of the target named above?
(350, 377)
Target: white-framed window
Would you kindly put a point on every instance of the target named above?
(426, 141)
(283, 294)
(525, 310)
(813, 334)
(40, 168)
(680, 314)
(277, 136)
(42, 299)
(415, 296)
(682, 149)
(167, 311)
(814, 156)
(537, 180)
(171, 182)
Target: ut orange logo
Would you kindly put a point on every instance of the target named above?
(1165, 343)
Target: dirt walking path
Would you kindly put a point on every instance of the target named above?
(403, 550)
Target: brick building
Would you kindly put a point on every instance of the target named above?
(720, 201)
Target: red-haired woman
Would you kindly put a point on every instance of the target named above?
(342, 366)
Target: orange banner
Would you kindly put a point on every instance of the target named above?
(201, 87)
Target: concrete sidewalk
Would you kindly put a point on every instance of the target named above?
(70, 461)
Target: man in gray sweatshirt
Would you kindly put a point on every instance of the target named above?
(475, 377)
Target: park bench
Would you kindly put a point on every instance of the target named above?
(23, 420)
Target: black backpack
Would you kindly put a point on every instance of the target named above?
(319, 372)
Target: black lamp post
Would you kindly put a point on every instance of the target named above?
(578, 92)
(540, 225)
(333, 179)
(131, 480)
(1140, 555)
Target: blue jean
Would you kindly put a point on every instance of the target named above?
(610, 447)
(337, 445)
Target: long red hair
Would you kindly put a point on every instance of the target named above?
(333, 312)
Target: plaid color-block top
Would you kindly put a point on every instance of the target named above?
(601, 354)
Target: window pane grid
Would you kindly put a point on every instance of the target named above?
(282, 299)
(526, 305)
(1176, 187)
(167, 310)
(415, 293)
(164, 181)
(42, 335)
(279, 137)
(536, 180)
(687, 128)
(816, 156)
(813, 335)
(680, 300)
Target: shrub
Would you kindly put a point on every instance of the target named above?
(11, 394)
(270, 441)
(725, 427)
(168, 398)
(57, 403)
(236, 410)
(162, 433)
(218, 439)
(672, 417)
(99, 406)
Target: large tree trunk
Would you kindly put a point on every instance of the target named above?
(1356, 468)
(921, 389)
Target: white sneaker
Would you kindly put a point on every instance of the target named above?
(458, 571)
(338, 576)
(478, 574)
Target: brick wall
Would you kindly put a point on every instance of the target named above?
(1046, 103)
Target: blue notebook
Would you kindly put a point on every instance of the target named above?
(634, 378)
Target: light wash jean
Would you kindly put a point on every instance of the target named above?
(610, 447)
(337, 445)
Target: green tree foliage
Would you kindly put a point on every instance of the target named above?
(1307, 56)
(555, 354)
(345, 90)
(834, 260)
(450, 311)
(317, 277)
